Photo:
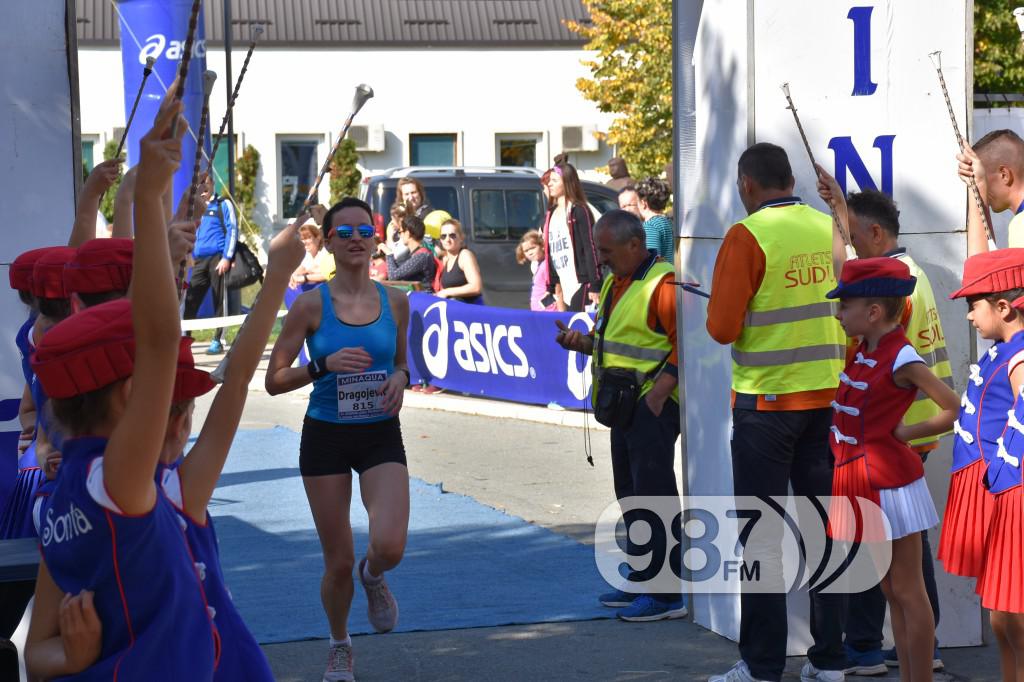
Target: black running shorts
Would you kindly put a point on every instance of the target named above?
(328, 448)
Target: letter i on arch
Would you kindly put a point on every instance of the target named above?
(862, 83)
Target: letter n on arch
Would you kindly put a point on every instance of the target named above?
(847, 158)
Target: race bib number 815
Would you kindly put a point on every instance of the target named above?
(359, 396)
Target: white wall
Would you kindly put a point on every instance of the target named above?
(473, 93)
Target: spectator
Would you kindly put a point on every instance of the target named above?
(652, 197)
(574, 276)
(620, 174)
(411, 193)
(460, 274)
(531, 250)
(213, 253)
(420, 265)
(318, 264)
(628, 201)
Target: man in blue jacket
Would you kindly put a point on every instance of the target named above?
(213, 255)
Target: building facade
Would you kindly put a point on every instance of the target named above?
(456, 83)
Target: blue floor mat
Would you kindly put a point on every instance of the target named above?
(465, 565)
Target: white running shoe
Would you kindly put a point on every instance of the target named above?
(381, 607)
(339, 664)
(738, 673)
(811, 674)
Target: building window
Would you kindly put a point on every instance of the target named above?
(517, 150)
(505, 215)
(89, 144)
(297, 169)
(220, 165)
(432, 149)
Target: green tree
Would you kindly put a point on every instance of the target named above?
(246, 169)
(345, 175)
(998, 55)
(632, 77)
(107, 205)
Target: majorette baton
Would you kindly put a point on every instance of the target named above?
(209, 78)
(363, 93)
(850, 253)
(936, 58)
(234, 94)
(150, 61)
(186, 58)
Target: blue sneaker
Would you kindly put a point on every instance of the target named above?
(216, 347)
(864, 662)
(893, 661)
(616, 599)
(646, 608)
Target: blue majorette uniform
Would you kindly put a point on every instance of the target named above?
(983, 409)
(241, 659)
(1001, 581)
(148, 593)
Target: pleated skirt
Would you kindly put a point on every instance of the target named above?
(965, 521)
(900, 511)
(1001, 582)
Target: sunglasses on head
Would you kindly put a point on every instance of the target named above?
(346, 231)
(449, 235)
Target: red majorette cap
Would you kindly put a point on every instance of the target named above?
(87, 351)
(189, 382)
(992, 272)
(48, 272)
(870, 277)
(21, 269)
(100, 267)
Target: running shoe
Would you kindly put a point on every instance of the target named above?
(215, 348)
(617, 599)
(646, 608)
(893, 661)
(738, 673)
(864, 662)
(381, 607)
(811, 674)
(339, 664)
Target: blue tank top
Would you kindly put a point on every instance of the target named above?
(147, 590)
(23, 341)
(1003, 470)
(984, 405)
(352, 398)
(241, 659)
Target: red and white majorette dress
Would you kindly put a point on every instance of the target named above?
(870, 462)
(1001, 581)
(978, 428)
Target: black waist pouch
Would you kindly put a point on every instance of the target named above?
(617, 395)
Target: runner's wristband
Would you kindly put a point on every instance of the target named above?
(317, 368)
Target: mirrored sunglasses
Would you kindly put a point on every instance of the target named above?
(346, 231)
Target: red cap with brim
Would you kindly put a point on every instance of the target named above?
(21, 269)
(48, 272)
(101, 266)
(992, 272)
(189, 382)
(87, 351)
(874, 277)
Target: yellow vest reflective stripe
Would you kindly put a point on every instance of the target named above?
(924, 329)
(627, 341)
(790, 340)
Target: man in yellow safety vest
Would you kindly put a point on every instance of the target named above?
(768, 300)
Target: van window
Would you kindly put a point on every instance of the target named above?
(443, 198)
(505, 215)
(601, 202)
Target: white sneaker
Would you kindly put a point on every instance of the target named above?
(811, 674)
(381, 606)
(339, 664)
(738, 673)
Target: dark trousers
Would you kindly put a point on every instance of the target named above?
(204, 276)
(865, 615)
(772, 451)
(643, 463)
